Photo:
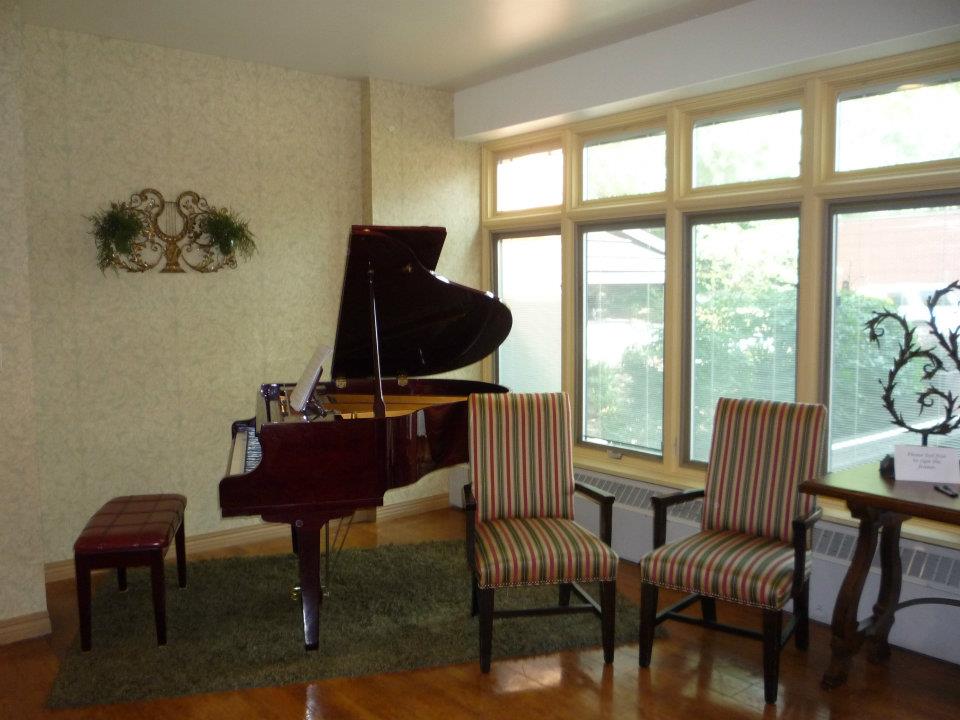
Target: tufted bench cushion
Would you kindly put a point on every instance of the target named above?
(133, 522)
(130, 531)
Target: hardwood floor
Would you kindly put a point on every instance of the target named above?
(694, 674)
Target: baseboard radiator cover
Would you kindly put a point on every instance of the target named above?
(928, 570)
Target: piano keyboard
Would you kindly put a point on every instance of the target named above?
(254, 452)
(246, 452)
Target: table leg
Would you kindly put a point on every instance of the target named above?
(846, 636)
(891, 577)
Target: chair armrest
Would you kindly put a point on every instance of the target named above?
(605, 501)
(660, 504)
(801, 526)
(470, 505)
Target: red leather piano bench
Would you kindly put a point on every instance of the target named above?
(131, 531)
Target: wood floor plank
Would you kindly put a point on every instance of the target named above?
(694, 674)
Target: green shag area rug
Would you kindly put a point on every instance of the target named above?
(392, 608)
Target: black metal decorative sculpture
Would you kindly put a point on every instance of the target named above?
(933, 363)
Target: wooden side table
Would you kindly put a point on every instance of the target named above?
(879, 504)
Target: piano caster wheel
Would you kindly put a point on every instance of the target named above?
(295, 592)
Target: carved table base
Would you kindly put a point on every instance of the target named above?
(881, 505)
(848, 632)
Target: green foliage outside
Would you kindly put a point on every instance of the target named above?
(624, 403)
(745, 321)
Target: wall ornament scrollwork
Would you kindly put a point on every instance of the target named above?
(148, 231)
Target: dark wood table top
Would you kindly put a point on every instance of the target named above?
(863, 485)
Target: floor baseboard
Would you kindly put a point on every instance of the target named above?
(413, 507)
(24, 627)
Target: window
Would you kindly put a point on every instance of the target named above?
(622, 336)
(529, 282)
(702, 257)
(912, 122)
(620, 166)
(743, 315)
(530, 181)
(744, 149)
(869, 275)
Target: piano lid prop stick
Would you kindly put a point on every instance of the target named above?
(379, 407)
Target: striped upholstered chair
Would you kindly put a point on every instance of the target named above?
(751, 548)
(520, 528)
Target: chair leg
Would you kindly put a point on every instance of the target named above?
(801, 611)
(566, 589)
(772, 625)
(708, 608)
(83, 600)
(474, 607)
(648, 621)
(485, 601)
(608, 617)
(181, 544)
(122, 579)
(158, 587)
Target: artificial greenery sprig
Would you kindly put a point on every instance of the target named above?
(229, 233)
(114, 231)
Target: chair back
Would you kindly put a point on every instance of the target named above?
(761, 451)
(521, 455)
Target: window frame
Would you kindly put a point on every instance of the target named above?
(496, 238)
(874, 203)
(732, 215)
(898, 70)
(514, 150)
(613, 134)
(579, 332)
(812, 192)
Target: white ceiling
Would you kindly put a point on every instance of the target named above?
(447, 44)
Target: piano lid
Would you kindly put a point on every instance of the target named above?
(427, 324)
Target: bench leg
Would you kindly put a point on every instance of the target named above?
(181, 557)
(122, 579)
(158, 586)
(82, 570)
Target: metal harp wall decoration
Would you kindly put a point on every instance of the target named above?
(173, 234)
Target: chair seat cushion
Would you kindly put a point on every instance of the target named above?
(727, 565)
(132, 522)
(535, 551)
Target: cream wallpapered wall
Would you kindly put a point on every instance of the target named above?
(138, 376)
(21, 552)
(419, 175)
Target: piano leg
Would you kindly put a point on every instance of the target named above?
(308, 544)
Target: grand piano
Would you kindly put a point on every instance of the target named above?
(374, 425)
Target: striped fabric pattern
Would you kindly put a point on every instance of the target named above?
(761, 451)
(521, 458)
(534, 551)
(728, 565)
